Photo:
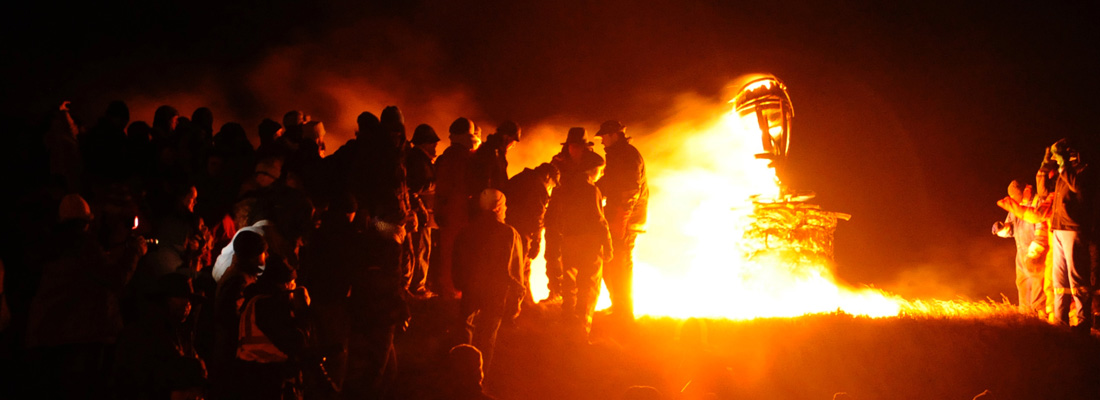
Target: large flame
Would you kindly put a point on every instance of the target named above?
(692, 262)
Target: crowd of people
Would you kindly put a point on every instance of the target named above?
(1054, 226)
(175, 261)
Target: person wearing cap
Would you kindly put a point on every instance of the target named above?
(146, 345)
(272, 334)
(453, 193)
(490, 169)
(575, 212)
(573, 150)
(421, 183)
(528, 194)
(627, 192)
(1073, 217)
(488, 270)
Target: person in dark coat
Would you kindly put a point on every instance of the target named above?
(567, 162)
(421, 184)
(528, 195)
(454, 190)
(490, 169)
(488, 270)
(627, 193)
(145, 347)
(585, 242)
(466, 373)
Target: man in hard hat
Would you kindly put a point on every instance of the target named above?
(624, 185)
(573, 150)
(575, 212)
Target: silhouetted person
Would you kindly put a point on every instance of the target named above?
(454, 190)
(376, 296)
(272, 335)
(249, 255)
(528, 194)
(568, 163)
(421, 183)
(148, 346)
(488, 270)
(64, 150)
(490, 169)
(74, 317)
(466, 373)
(104, 146)
(1072, 220)
(293, 121)
(269, 132)
(585, 242)
(627, 193)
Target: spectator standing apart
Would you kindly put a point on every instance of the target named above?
(627, 193)
(568, 162)
(585, 244)
(453, 194)
(488, 270)
(421, 183)
(1071, 222)
(528, 195)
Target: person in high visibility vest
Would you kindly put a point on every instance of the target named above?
(272, 334)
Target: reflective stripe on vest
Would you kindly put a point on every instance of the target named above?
(253, 344)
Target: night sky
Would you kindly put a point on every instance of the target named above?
(911, 117)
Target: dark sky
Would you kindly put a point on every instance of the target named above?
(912, 117)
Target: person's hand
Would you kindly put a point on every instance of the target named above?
(64, 106)
(1006, 203)
(997, 226)
(139, 244)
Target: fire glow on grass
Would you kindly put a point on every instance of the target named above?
(694, 259)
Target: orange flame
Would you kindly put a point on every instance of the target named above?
(691, 261)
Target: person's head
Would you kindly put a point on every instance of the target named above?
(425, 138)
(463, 134)
(177, 294)
(393, 122)
(492, 201)
(611, 132)
(592, 165)
(269, 130)
(268, 170)
(203, 118)
(165, 118)
(465, 364)
(549, 174)
(139, 131)
(509, 132)
(278, 276)
(641, 393)
(1063, 152)
(368, 125)
(313, 132)
(186, 198)
(118, 113)
(73, 207)
(293, 118)
(250, 251)
(576, 143)
(1015, 191)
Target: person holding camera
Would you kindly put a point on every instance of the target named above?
(1072, 219)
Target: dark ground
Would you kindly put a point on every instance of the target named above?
(810, 357)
